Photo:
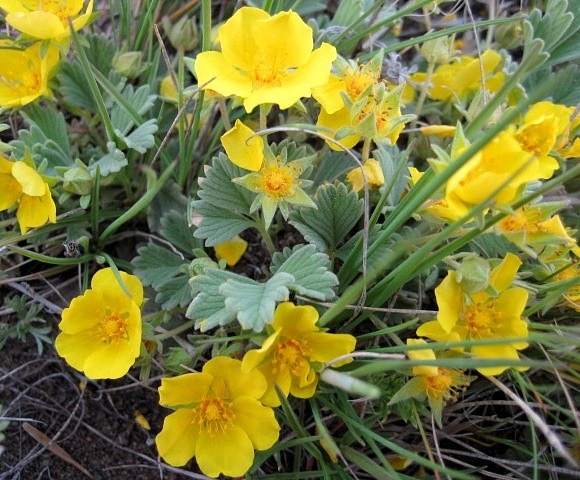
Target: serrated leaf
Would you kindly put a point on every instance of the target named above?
(139, 99)
(73, 87)
(140, 139)
(208, 307)
(310, 269)
(46, 139)
(169, 198)
(174, 292)
(254, 303)
(338, 210)
(331, 167)
(111, 162)
(175, 229)
(223, 206)
(217, 188)
(155, 265)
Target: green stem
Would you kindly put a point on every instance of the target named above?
(264, 116)
(171, 333)
(366, 150)
(423, 93)
(261, 226)
(48, 259)
(142, 203)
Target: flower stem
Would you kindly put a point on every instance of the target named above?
(170, 333)
(261, 225)
(366, 149)
(263, 116)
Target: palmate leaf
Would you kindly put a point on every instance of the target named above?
(208, 306)
(47, 137)
(254, 303)
(141, 139)
(111, 162)
(310, 270)
(223, 207)
(174, 292)
(155, 265)
(175, 229)
(327, 226)
(139, 99)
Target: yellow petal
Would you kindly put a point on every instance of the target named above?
(10, 188)
(83, 313)
(257, 421)
(36, 211)
(231, 251)
(422, 354)
(237, 37)
(32, 183)
(229, 380)
(242, 150)
(75, 349)
(327, 346)
(184, 389)
(329, 96)
(506, 352)
(229, 452)
(295, 321)
(37, 24)
(214, 72)
(106, 282)
(112, 360)
(178, 439)
(316, 71)
(334, 121)
(450, 302)
(503, 275)
(442, 131)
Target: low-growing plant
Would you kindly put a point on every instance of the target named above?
(331, 239)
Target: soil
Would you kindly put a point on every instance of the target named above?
(94, 422)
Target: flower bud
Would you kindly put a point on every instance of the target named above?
(128, 64)
(182, 34)
(473, 274)
(78, 180)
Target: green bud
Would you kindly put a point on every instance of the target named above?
(78, 180)
(182, 34)
(473, 274)
(439, 50)
(128, 64)
(509, 36)
(350, 384)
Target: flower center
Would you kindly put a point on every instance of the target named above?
(290, 354)
(214, 415)
(113, 327)
(357, 82)
(482, 321)
(278, 181)
(439, 386)
(61, 8)
(265, 73)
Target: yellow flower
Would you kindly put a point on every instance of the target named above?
(46, 19)
(458, 78)
(494, 313)
(373, 174)
(534, 225)
(242, 150)
(265, 59)
(231, 251)
(277, 183)
(289, 355)
(438, 385)
(541, 126)
(572, 296)
(25, 72)
(218, 418)
(23, 186)
(101, 329)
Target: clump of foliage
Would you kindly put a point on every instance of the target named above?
(328, 237)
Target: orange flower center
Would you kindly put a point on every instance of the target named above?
(214, 415)
(59, 7)
(113, 327)
(357, 82)
(482, 321)
(439, 386)
(265, 73)
(278, 181)
(291, 355)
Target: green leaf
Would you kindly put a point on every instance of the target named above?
(139, 99)
(331, 167)
(141, 139)
(174, 292)
(338, 210)
(155, 265)
(111, 162)
(310, 270)
(208, 307)
(175, 229)
(223, 207)
(46, 139)
(254, 303)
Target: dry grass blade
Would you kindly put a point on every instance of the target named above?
(53, 447)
